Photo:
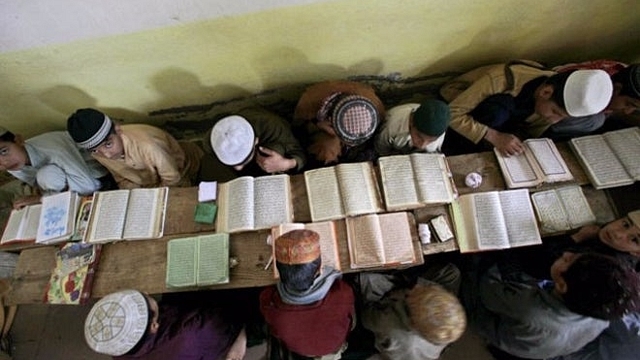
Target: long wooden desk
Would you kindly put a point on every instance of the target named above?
(142, 264)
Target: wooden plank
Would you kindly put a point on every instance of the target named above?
(31, 275)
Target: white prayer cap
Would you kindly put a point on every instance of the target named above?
(232, 139)
(635, 217)
(117, 322)
(587, 92)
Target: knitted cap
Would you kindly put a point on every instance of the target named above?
(587, 92)
(297, 247)
(232, 139)
(432, 117)
(89, 127)
(355, 119)
(635, 217)
(436, 314)
(117, 322)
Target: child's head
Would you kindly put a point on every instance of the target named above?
(119, 321)
(13, 155)
(623, 234)
(297, 257)
(428, 122)
(596, 285)
(575, 93)
(436, 314)
(626, 90)
(94, 131)
(233, 141)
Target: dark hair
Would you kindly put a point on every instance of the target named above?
(629, 78)
(601, 286)
(8, 137)
(298, 277)
(558, 81)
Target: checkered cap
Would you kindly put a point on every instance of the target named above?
(355, 119)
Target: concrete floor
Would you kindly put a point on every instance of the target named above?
(55, 332)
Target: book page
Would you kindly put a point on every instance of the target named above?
(143, 211)
(398, 182)
(519, 218)
(364, 237)
(213, 259)
(358, 188)
(328, 243)
(577, 207)
(181, 262)
(30, 229)
(599, 162)
(57, 217)
(272, 201)
(432, 178)
(237, 207)
(13, 227)
(549, 160)
(324, 194)
(626, 144)
(107, 216)
(519, 170)
(482, 211)
(551, 213)
(396, 238)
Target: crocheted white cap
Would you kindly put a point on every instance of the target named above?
(232, 139)
(117, 322)
(587, 92)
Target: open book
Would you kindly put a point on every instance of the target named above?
(611, 159)
(495, 220)
(127, 215)
(562, 209)
(249, 203)
(342, 190)
(411, 181)
(540, 162)
(381, 240)
(22, 224)
(57, 218)
(198, 261)
(328, 240)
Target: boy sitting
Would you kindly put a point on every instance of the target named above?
(50, 163)
(137, 155)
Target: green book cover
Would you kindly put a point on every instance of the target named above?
(205, 212)
(198, 261)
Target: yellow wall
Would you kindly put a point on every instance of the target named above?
(129, 76)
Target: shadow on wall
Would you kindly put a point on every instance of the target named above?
(66, 99)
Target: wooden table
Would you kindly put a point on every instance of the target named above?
(141, 264)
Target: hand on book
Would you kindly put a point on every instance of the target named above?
(506, 144)
(273, 162)
(25, 201)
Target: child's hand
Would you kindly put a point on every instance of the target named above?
(586, 232)
(25, 201)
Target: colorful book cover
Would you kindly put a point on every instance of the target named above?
(72, 278)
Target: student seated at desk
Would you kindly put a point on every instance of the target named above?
(416, 321)
(311, 310)
(536, 318)
(254, 142)
(339, 117)
(131, 325)
(493, 102)
(137, 155)
(50, 163)
(624, 102)
(414, 127)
